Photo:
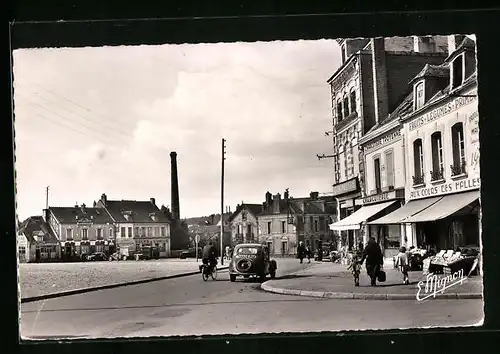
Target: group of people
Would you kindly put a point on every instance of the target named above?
(304, 252)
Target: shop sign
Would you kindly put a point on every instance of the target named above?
(441, 111)
(446, 188)
(382, 197)
(388, 138)
(346, 187)
(473, 123)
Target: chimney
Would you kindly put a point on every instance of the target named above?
(83, 208)
(104, 199)
(153, 201)
(286, 194)
(381, 98)
(46, 215)
(425, 44)
(314, 195)
(454, 41)
(269, 198)
(174, 186)
(276, 203)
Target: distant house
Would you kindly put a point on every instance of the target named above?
(36, 241)
(243, 223)
(283, 223)
(138, 223)
(82, 230)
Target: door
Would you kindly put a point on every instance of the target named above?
(284, 247)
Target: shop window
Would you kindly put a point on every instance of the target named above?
(419, 95)
(437, 157)
(346, 105)
(458, 148)
(339, 111)
(389, 170)
(376, 168)
(353, 101)
(418, 162)
(457, 71)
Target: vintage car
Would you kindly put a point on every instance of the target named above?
(251, 260)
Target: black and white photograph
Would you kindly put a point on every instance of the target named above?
(298, 186)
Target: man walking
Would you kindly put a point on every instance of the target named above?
(374, 259)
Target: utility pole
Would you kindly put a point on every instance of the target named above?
(222, 203)
(47, 197)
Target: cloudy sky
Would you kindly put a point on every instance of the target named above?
(104, 120)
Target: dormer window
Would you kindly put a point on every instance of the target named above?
(419, 95)
(457, 71)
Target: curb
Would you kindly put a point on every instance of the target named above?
(110, 286)
(362, 296)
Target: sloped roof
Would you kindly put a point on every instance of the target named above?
(404, 108)
(140, 211)
(35, 224)
(69, 215)
(255, 209)
(433, 71)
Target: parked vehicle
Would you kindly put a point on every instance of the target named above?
(114, 257)
(190, 253)
(143, 253)
(251, 259)
(97, 256)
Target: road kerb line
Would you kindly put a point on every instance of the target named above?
(110, 286)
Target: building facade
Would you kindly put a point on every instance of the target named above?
(243, 223)
(371, 82)
(36, 242)
(137, 224)
(442, 208)
(283, 223)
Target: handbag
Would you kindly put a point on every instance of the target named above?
(381, 275)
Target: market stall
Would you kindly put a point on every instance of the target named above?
(449, 261)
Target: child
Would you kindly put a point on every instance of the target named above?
(356, 267)
(402, 262)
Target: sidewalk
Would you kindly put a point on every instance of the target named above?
(328, 280)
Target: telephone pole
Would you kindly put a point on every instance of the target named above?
(222, 203)
(47, 197)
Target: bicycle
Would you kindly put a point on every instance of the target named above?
(207, 271)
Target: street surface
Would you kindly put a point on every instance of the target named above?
(190, 306)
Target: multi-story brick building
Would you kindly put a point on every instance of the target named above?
(283, 223)
(137, 223)
(442, 155)
(371, 82)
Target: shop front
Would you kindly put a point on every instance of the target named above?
(346, 194)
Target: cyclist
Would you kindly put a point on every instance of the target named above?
(209, 255)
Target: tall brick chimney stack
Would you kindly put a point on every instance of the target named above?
(381, 97)
(174, 186)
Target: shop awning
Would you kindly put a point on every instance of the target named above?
(446, 206)
(353, 221)
(406, 211)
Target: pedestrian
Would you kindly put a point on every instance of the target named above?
(402, 262)
(227, 252)
(374, 260)
(301, 251)
(308, 254)
(360, 246)
(355, 267)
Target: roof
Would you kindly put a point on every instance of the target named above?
(404, 108)
(255, 209)
(304, 205)
(35, 224)
(432, 71)
(467, 43)
(140, 211)
(70, 215)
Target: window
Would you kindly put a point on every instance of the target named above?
(418, 162)
(69, 234)
(239, 229)
(162, 231)
(458, 146)
(346, 106)
(122, 232)
(111, 232)
(136, 231)
(157, 231)
(437, 157)
(376, 168)
(419, 95)
(346, 169)
(85, 234)
(143, 231)
(322, 223)
(389, 168)
(315, 225)
(283, 226)
(268, 227)
(243, 216)
(457, 73)
(99, 234)
(129, 232)
(249, 233)
(353, 101)
(150, 231)
(339, 110)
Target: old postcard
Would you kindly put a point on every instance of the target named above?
(229, 188)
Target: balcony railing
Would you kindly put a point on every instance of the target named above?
(418, 179)
(458, 168)
(437, 175)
